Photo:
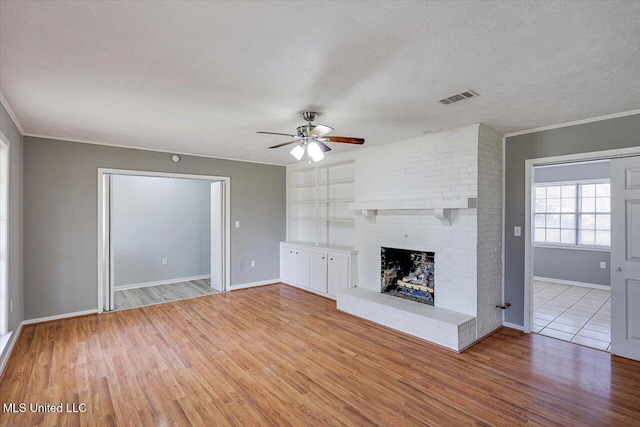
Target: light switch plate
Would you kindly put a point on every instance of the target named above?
(517, 231)
(603, 264)
(237, 224)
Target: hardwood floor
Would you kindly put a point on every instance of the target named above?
(276, 355)
(139, 297)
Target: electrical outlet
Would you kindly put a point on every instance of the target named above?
(237, 224)
(603, 264)
(253, 263)
(164, 261)
(517, 231)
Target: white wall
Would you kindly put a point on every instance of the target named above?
(155, 218)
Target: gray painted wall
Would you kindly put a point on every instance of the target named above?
(596, 136)
(567, 264)
(60, 221)
(15, 276)
(155, 218)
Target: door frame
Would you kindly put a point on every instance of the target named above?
(530, 164)
(104, 226)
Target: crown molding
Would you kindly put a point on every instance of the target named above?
(6, 106)
(574, 123)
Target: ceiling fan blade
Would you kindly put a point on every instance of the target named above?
(320, 130)
(277, 133)
(345, 139)
(283, 144)
(324, 147)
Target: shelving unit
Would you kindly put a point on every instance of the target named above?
(318, 198)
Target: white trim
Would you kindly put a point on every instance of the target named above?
(571, 182)
(6, 106)
(572, 283)
(160, 282)
(573, 123)
(59, 316)
(157, 150)
(572, 247)
(5, 352)
(102, 260)
(254, 284)
(5, 169)
(513, 326)
(530, 164)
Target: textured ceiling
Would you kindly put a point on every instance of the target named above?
(203, 77)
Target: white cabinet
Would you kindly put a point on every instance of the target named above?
(321, 269)
(302, 267)
(318, 272)
(287, 264)
(337, 274)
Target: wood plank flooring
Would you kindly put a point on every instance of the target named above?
(139, 297)
(276, 355)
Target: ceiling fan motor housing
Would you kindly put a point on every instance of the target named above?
(309, 115)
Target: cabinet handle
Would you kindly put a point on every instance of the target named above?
(296, 253)
(322, 257)
(331, 259)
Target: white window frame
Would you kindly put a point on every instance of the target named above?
(578, 213)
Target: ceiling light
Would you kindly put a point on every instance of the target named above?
(298, 152)
(315, 152)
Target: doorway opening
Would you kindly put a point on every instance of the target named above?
(572, 243)
(573, 225)
(162, 237)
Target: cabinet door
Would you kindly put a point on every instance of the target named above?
(302, 267)
(287, 264)
(318, 272)
(337, 274)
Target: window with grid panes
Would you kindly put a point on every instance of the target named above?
(573, 214)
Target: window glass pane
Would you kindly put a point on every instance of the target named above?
(588, 205)
(539, 221)
(587, 221)
(553, 205)
(568, 236)
(588, 190)
(541, 192)
(541, 205)
(553, 235)
(568, 205)
(553, 192)
(553, 221)
(587, 237)
(569, 191)
(603, 204)
(568, 221)
(603, 190)
(538, 235)
(603, 238)
(603, 222)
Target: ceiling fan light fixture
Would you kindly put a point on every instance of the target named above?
(315, 152)
(298, 152)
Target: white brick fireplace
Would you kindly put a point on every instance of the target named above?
(421, 194)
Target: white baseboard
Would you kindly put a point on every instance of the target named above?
(513, 326)
(5, 354)
(160, 282)
(572, 283)
(253, 284)
(59, 316)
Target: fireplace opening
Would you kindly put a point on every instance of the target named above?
(408, 274)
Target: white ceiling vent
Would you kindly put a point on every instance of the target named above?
(458, 97)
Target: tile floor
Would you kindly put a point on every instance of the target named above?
(573, 313)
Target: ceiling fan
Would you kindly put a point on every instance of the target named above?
(311, 138)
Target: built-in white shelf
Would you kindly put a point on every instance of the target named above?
(311, 202)
(337, 181)
(323, 219)
(442, 207)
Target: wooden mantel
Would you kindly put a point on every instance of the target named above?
(441, 207)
